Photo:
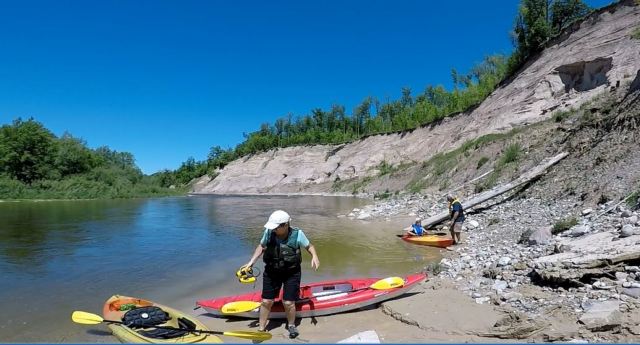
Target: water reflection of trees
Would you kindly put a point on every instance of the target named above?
(33, 233)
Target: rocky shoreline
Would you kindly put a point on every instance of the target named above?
(557, 270)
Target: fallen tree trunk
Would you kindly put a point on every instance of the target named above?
(614, 206)
(482, 197)
(474, 180)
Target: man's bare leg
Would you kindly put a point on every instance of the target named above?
(265, 309)
(290, 310)
(457, 227)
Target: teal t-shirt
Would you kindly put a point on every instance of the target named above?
(303, 241)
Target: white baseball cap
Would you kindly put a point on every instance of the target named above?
(278, 217)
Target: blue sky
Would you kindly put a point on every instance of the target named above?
(166, 80)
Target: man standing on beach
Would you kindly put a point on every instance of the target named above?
(282, 258)
(456, 213)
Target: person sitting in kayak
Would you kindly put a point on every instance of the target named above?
(282, 258)
(416, 228)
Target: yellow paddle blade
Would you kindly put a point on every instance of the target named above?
(86, 318)
(388, 283)
(239, 307)
(260, 336)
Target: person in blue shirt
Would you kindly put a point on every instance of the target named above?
(281, 246)
(416, 228)
(456, 213)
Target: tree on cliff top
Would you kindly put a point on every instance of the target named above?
(537, 21)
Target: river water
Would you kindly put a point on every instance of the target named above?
(61, 256)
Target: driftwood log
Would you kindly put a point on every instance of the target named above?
(614, 206)
(484, 196)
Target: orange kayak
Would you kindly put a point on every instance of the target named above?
(437, 240)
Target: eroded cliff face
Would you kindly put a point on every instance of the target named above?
(595, 56)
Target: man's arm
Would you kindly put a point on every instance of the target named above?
(315, 262)
(454, 217)
(256, 254)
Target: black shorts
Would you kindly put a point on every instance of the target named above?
(272, 281)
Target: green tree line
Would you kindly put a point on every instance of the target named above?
(34, 163)
(536, 22)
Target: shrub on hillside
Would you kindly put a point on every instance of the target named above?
(384, 168)
(385, 195)
(482, 161)
(634, 200)
(564, 225)
(559, 116)
(512, 153)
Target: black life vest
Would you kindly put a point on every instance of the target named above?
(145, 318)
(460, 217)
(285, 256)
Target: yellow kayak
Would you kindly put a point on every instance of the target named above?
(440, 241)
(134, 310)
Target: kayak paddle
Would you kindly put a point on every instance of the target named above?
(93, 319)
(386, 283)
(244, 306)
(439, 234)
(239, 307)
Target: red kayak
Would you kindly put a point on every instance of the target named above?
(322, 298)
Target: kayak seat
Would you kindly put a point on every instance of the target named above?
(318, 291)
(145, 317)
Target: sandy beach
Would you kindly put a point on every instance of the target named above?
(434, 312)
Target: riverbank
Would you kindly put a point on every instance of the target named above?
(554, 271)
(515, 277)
(511, 280)
(527, 270)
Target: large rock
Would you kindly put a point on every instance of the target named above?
(504, 261)
(594, 250)
(363, 216)
(499, 285)
(541, 236)
(578, 230)
(633, 292)
(602, 316)
(627, 230)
